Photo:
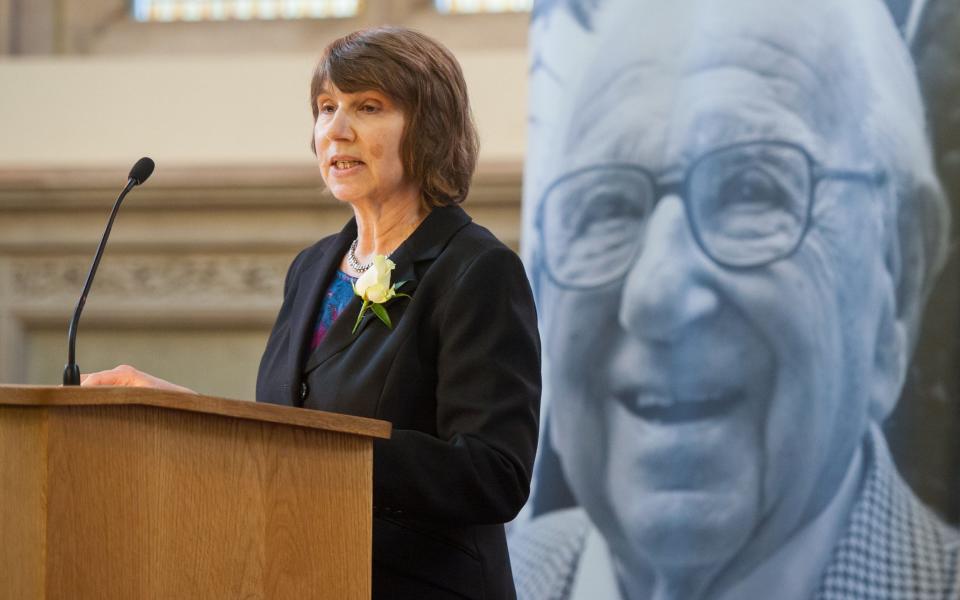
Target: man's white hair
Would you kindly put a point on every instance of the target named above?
(893, 128)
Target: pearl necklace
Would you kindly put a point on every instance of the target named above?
(352, 259)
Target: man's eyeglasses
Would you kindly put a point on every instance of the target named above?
(747, 204)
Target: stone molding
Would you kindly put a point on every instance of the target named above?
(217, 185)
(136, 278)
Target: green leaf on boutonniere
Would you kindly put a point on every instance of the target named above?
(363, 309)
(381, 312)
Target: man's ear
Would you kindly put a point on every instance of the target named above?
(911, 260)
(890, 362)
(537, 273)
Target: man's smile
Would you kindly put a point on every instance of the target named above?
(671, 408)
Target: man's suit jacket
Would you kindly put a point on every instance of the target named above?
(458, 376)
(894, 548)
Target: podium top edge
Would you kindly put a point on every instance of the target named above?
(56, 396)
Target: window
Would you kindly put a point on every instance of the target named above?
(222, 10)
(482, 6)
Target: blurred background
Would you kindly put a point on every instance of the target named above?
(216, 92)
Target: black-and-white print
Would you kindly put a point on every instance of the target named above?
(735, 219)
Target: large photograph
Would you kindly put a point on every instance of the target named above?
(738, 224)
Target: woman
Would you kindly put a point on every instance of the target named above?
(457, 370)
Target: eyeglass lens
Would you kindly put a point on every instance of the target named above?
(747, 205)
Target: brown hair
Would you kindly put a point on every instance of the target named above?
(439, 145)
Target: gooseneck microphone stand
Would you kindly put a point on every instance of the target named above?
(138, 174)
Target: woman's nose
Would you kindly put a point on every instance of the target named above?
(339, 127)
(667, 288)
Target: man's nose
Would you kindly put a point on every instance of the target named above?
(667, 288)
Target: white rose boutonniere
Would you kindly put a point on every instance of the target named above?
(375, 289)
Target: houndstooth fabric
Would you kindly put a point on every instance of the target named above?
(894, 547)
(544, 554)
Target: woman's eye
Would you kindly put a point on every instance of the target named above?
(369, 108)
(327, 108)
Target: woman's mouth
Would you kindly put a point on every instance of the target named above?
(343, 165)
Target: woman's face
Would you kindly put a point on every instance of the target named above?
(357, 137)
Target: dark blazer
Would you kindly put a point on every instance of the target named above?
(458, 376)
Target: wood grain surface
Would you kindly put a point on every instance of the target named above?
(35, 395)
(22, 503)
(121, 501)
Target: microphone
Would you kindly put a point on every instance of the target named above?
(138, 174)
(141, 170)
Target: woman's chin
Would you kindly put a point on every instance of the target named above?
(347, 194)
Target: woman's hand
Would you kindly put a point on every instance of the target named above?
(125, 375)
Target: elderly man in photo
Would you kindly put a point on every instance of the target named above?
(733, 256)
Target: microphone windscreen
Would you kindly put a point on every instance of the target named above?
(142, 170)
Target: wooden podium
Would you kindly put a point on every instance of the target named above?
(133, 493)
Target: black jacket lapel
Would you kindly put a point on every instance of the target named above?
(411, 259)
(315, 279)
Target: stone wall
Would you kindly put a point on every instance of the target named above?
(192, 277)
